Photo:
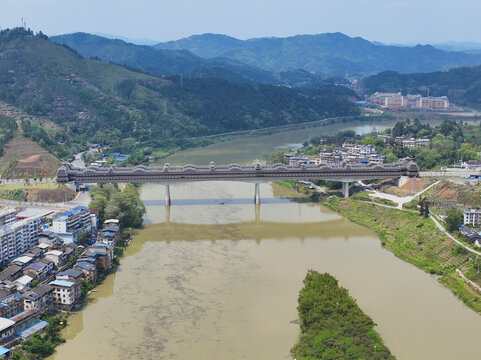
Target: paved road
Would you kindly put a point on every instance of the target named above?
(440, 227)
(78, 161)
(399, 200)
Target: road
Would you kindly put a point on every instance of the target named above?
(399, 200)
(78, 161)
(440, 227)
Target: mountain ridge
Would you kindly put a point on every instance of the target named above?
(328, 54)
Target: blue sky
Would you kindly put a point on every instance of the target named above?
(390, 21)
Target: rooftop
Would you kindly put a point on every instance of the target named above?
(69, 273)
(33, 212)
(6, 323)
(38, 326)
(23, 259)
(63, 283)
(24, 280)
(85, 265)
(37, 266)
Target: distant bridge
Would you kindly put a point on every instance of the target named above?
(255, 173)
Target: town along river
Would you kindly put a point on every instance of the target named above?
(218, 278)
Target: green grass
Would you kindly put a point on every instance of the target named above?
(418, 241)
(32, 186)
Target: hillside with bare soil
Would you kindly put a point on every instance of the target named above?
(25, 158)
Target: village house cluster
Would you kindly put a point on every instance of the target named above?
(471, 220)
(408, 141)
(349, 152)
(398, 101)
(45, 268)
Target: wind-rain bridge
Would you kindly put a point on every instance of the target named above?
(255, 173)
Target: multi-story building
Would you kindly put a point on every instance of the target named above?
(11, 305)
(68, 224)
(50, 238)
(65, 292)
(40, 297)
(433, 103)
(409, 142)
(6, 328)
(389, 100)
(18, 237)
(472, 217)
(8, 216)
(399, 101)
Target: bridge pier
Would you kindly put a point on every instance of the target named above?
(257, 196)
(167, 195)
(345, 189)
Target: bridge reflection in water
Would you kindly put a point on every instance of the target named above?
(173, 231)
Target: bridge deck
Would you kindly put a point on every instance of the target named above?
(235, 172)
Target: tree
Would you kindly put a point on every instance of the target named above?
(454, 219)
(398, 129)
(276, 157)
(315, 140)
(83, 238)
(421, 206)
(391, 158)
(426, 209)
(127, 207)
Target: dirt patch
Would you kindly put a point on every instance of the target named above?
(30, 159)
(411, 187)
(36, 161)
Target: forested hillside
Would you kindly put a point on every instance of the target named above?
(462, 85)
(89, 100)
(161, 62)
(330, 54)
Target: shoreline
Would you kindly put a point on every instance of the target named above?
(420, 248)
(428, 248)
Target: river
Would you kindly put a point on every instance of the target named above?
(216, 277)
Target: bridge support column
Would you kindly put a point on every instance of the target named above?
(345, 189)
(167, 195)
(258, 213)
(257, 196)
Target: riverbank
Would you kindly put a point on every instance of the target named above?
(333, 325)
(416, 240)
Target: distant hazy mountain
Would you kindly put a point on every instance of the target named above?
(467, 46)
(166, 62)
(325, 54)
(126, 39)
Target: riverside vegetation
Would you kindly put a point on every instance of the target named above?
(332, 324)
(417, 240)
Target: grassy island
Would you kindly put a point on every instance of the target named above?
(332, 324)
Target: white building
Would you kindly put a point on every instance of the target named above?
(18, 237)
(7, 216)
(65, 293)
(6, 328)
(472, 217)
(68, 224)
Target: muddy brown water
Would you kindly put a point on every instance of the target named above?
(218, 278)
(215, 277)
